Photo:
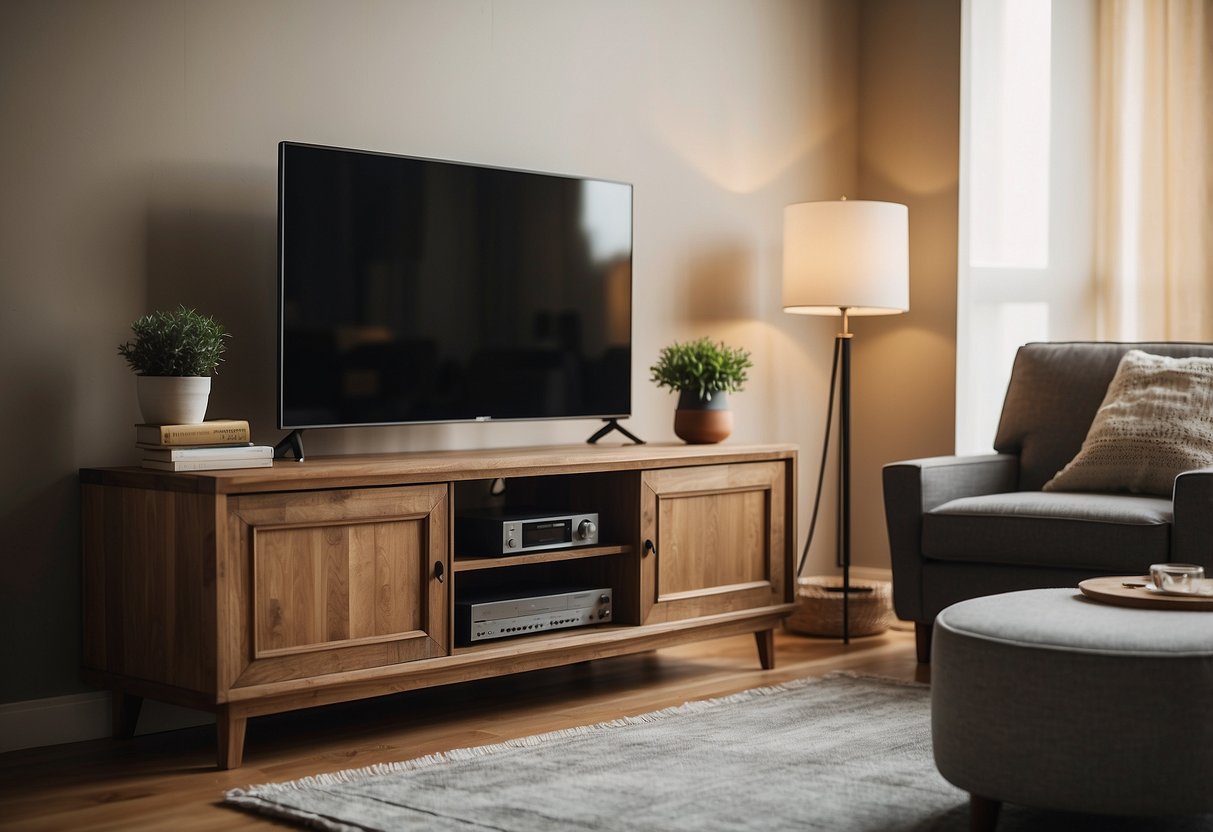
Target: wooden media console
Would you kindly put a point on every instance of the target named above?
(248, 592)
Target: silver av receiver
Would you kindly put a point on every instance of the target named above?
(495, 534)
(487, 616)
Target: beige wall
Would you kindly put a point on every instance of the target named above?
(904, 400)
(137, 162)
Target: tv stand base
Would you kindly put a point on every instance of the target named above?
(292, 443)
(613, 425)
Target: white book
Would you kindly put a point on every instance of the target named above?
(218, 452)
(207, 464)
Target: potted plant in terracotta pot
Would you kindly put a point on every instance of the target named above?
(174, 354)
(703, 372)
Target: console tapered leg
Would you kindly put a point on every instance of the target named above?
(230, 730)
(766, 648)
(124, 713)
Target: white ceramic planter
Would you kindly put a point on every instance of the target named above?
(173, 400)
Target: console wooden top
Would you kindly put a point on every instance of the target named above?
(415, 467)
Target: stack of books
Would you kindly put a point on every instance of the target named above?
(205, 446)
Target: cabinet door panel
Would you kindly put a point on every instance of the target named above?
(340, 580)
(719, 542)
(712, 540)
(337, 583)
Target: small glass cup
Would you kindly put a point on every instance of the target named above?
(1176, 577)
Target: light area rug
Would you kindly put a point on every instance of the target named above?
(840, 753)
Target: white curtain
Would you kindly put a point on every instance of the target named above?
(1154, 238)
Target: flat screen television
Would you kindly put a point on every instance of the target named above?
(416, 290)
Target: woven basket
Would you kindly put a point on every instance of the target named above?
(819, 612)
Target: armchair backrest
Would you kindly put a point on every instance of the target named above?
(1052, 397)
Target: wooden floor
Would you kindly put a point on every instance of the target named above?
(168, 781)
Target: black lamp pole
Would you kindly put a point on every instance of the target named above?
(844, 474)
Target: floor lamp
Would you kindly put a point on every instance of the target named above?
(848, 258)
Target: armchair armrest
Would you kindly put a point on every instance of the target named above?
(916, 486)
(930, 482)
(1192, 523)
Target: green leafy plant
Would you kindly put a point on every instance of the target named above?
(178, 343)
(703, 366)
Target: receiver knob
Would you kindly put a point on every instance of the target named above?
(586, 530)
(511, 542)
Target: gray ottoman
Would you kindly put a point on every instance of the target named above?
(1046, 698)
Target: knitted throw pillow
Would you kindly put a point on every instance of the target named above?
(1156, 421)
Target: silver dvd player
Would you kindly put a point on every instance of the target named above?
(501, 615)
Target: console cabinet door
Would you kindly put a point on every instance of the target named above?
(713, 540)
(336, 580)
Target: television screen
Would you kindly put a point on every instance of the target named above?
(417, 290)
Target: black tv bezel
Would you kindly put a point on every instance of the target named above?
(609, 417)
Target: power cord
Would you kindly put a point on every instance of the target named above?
(825, 449)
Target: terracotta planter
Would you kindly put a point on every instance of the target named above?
(699, 422)
(173, 400)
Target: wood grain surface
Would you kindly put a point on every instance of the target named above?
(1113, 591)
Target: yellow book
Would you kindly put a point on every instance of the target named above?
(214, 432)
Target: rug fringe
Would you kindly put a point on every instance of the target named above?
(251, 794)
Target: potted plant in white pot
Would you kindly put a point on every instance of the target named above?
(704, 373)
(174, 354)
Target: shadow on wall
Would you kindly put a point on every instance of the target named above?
(720, 288)
(212, 245)
(40, 602)
(39, 523)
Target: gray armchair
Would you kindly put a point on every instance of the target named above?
(964, 526)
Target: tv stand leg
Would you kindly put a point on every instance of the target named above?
(125, 713)
(292, 443)
(766, 648)
(230, 735)
(612, 425)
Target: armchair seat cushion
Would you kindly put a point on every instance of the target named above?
(1101, 532)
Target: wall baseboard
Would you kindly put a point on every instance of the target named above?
(872, 573)
(82, 716)
(862, 573)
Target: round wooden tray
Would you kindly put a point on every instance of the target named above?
(1113, 591)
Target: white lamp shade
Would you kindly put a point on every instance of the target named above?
(846, 254)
